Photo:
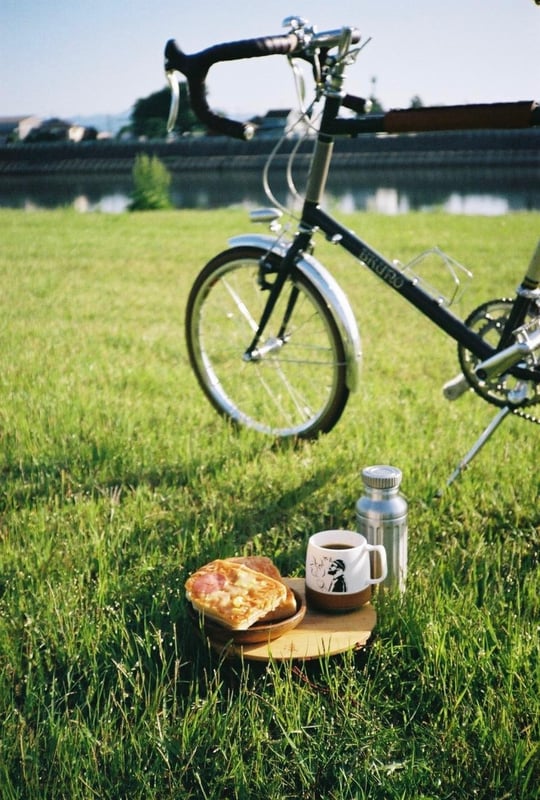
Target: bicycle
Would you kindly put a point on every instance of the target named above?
(271, 336)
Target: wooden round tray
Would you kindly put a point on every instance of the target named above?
(317, 635)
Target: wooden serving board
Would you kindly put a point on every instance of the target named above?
(317, 635)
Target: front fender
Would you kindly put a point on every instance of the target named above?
(328, 287)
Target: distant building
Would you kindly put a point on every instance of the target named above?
(280, 122)
(14, 129)
(57, 130)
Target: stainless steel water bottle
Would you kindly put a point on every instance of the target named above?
(381, 516)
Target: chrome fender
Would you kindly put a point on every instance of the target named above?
(328, 287)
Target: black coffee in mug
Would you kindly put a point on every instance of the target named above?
(337, 546)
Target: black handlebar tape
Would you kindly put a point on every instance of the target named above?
(468, 117)
(195, 68)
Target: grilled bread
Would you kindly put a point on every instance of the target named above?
(265, 565)
(259, 564)
(234, 595)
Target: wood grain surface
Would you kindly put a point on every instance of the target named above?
(317, 635)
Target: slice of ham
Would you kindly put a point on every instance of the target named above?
(208, 583)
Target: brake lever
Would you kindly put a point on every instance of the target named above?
(299, 80)
(172, 79)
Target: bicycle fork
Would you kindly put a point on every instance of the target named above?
(256, 352)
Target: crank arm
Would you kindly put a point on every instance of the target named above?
(504, 360)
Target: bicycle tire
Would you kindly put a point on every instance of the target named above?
(298, 389)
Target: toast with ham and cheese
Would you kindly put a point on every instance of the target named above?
(265, 565)
(233, 594)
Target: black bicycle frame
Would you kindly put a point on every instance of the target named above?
(429, 306)
(314, 218)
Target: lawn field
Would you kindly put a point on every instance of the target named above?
(118, 479)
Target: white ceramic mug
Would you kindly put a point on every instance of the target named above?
(338, 570)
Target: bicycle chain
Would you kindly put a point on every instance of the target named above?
(525, 415)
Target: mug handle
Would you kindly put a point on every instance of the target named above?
(381, 550)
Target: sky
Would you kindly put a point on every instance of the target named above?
(69, 58)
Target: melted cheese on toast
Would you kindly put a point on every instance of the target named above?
(264, 564)
(233, 594)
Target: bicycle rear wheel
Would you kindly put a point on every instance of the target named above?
(297, 386)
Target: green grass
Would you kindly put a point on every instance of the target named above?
(118, 479)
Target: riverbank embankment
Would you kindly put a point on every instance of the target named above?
(515, 149)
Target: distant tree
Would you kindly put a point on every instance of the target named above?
(149, 115)
(416, 102)
(52, 130)
(90, 134)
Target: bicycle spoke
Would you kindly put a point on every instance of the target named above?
(241, 306)
(298, 398)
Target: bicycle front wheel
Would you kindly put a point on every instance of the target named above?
(296, 386)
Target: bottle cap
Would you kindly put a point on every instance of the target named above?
(382, 476)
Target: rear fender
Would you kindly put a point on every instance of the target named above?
(328, 287)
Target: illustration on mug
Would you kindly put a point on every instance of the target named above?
(329, 577)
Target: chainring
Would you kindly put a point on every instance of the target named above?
(488, 321)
